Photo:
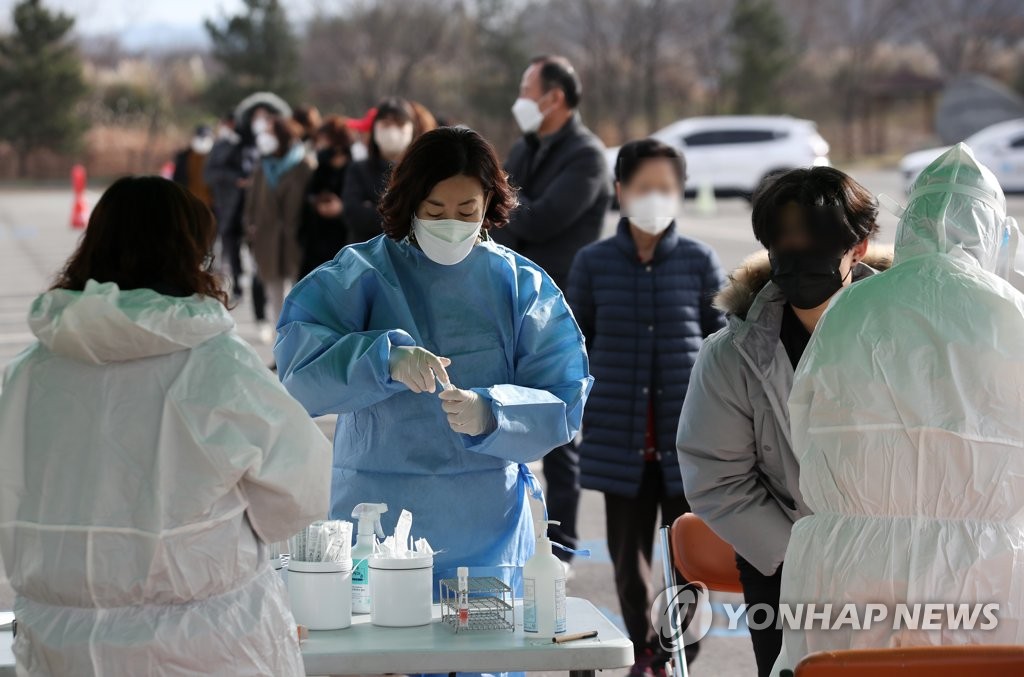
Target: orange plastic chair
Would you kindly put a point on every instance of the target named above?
(972, 660)
(700, 555)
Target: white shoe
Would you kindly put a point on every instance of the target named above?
(267, 333)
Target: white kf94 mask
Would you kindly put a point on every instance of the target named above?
(446, 241)
(653, 212)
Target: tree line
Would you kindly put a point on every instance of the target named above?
(644, 63)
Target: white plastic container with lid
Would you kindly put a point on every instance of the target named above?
(321, 594)
(544, 590)
(401, 590)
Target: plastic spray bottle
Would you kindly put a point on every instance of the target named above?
(370, 527)
(544, 590)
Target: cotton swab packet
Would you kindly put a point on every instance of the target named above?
(402, 530)
(323, 541)
(401, 544)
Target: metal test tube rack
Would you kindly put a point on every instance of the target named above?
(491, 605)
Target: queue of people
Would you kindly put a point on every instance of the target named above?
(836, 416)
(293, 187)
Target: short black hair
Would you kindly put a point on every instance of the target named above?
(841, 212)
(633, 154)
(557, 71)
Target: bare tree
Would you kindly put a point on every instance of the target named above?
(620, 48)
(370, 49)
(849, 32)
(962, 34)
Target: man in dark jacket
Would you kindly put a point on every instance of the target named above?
(564, 196)
(559, 166)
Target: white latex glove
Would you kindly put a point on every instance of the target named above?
(468, 412)
(417, 368)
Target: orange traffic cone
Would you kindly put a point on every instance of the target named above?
(78, 208)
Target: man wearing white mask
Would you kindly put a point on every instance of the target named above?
(564, 196)
(643, 299)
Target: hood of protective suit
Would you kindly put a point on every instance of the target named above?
(104, 324)
(957, 207)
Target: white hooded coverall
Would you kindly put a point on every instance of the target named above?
(908, 423)
(146, 458)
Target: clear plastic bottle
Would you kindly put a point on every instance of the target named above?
(544, 590)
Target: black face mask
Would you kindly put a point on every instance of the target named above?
(807, 278)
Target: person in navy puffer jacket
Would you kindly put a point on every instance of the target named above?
(643, 300)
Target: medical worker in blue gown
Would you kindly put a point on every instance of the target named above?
(373, 335)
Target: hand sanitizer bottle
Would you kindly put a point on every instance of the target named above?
(544, 590)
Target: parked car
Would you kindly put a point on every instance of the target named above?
(999, 147)
(733, 153)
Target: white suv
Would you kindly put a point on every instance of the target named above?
(999, 147)
(733, 153)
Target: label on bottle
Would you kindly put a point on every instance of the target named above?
(529, 605)
(560, 605)
(361, 588)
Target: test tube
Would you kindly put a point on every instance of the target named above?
(464, 597)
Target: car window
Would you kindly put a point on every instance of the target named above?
(731, 136)
(1018, 142)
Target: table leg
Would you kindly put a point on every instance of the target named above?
(582, 673)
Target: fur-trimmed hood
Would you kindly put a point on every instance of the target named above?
(747, 281)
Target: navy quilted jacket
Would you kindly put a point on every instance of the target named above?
(644, 325)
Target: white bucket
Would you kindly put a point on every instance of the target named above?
(321, 594)
(401, 591)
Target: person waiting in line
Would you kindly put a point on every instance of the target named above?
(148, 458)
(395, 124)
(190, 164)
(735, 451)
(370, 335)
(324, 230)
(226, 177)
(361, 128)
(311, 121)
(908, 426)
(274, 208)
(643, 299)
(254, 117)
(564, 195)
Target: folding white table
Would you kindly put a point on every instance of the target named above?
(435, 648)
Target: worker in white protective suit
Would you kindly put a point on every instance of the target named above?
(147, 458)
(908, 424)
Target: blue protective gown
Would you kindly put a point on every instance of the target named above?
(511, 338)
